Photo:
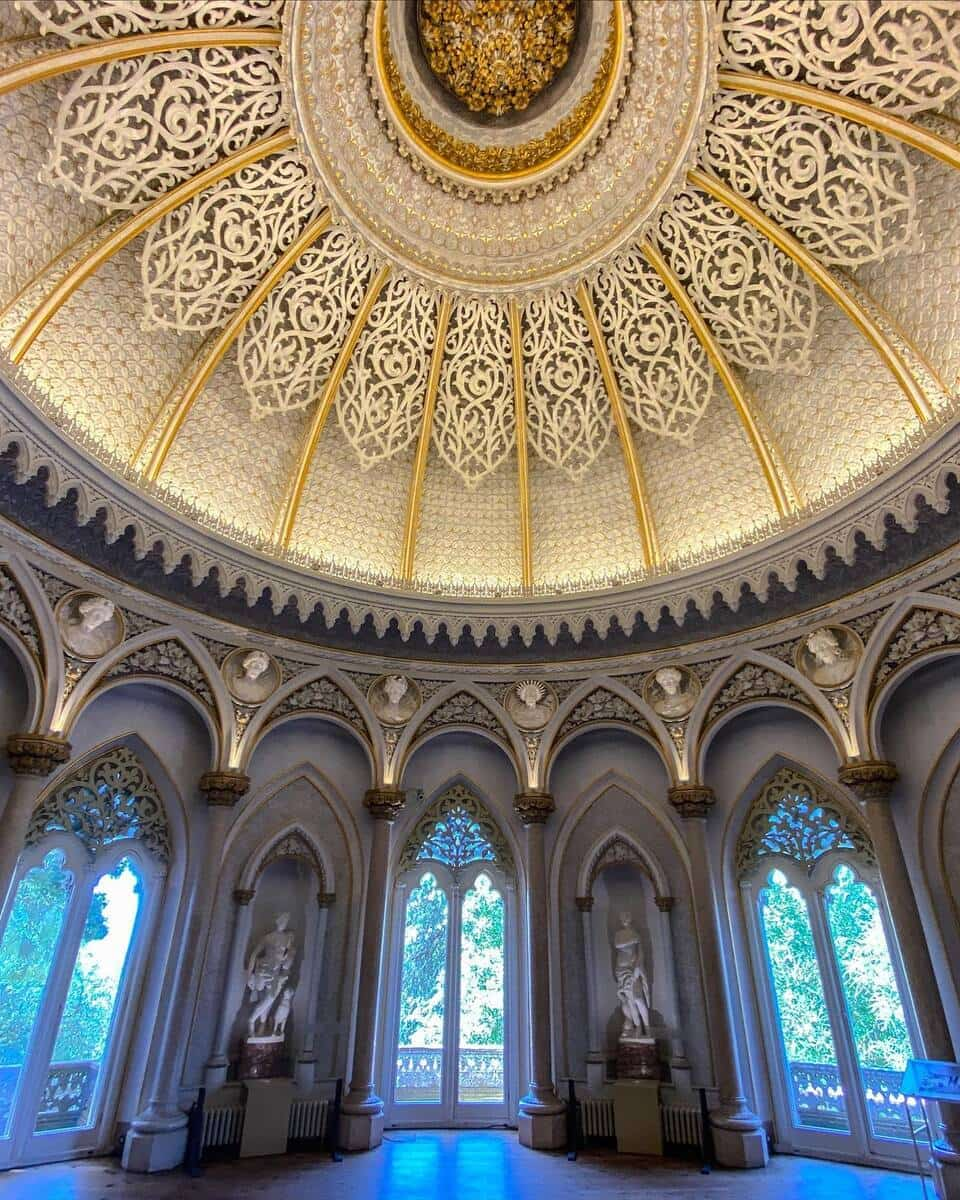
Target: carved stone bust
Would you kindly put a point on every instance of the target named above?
(394, 698)
(251, 676)
(531, 703)
(671, 691)
(829, 655)
(90, 625)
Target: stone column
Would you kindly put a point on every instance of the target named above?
(542, 1122)
(305, 1069)
(596, 1055)
(873, 783)
(361, 1125)
(679, 1067)
(33, 757)
(157, 1136)
(738, 1134)
(215, 1072)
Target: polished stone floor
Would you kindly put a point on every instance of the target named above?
(467, 1166)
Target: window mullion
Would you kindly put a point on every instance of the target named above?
(837, 1011)
(452, 1023)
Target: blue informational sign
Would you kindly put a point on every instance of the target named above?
(930, 1080)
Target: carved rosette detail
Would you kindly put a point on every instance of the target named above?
(224, 788)
(384, 804)
(533, 808)
(692, 800)
(36, 753)
(871, 779)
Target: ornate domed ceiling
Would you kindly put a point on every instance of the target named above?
(485, 298)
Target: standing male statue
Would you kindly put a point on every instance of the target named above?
(633, 990)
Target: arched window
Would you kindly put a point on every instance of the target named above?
(95, 850)
(451, 1023)
(831, 992)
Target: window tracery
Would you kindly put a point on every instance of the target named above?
(456, 830)
(792, 819)
(109, 800)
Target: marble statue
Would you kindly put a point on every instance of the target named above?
(251, 675)
(531, 703)
(829, 655)
(671, 692)
(268, 970)
(91, 625)
(394, 698)
(633, 990)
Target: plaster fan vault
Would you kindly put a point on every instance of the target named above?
(483, 299)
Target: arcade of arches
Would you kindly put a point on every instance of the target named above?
(479, 574)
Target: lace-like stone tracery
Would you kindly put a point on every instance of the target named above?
(109, 800)
(457, 830)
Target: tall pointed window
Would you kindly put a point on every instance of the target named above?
(452, 1021)
(829, 986)
(68, 945)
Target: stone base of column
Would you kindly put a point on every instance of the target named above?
(360, 1131)
(156, 1141)
(945, 1170)
(740, 1148)
(215, 1073)
(542, 1131)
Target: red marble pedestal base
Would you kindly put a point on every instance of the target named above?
(261, 1058)
(637, 1059)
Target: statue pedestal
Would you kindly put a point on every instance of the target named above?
(637, 1058)
(261, 1057)
(266, 1121)
(636, 1114)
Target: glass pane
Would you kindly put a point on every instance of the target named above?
(480, 1054)
(26, 955)
(422, 995)
(806, 1039)
(875, 1010)
(81, 1045)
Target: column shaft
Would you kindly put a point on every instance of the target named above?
(33, 758)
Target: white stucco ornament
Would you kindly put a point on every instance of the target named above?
(251, 676)
(90, 624)
(671, 691)
(829, 655)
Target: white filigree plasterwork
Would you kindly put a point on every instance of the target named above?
(127, 131)
(83, 21)
(847, 192)
(474, 421)
(568, 413)
(899, 54)
(380, 402)
(760, 304)
(203, 259)
(288, 347)
(665, 377)
(109, 800)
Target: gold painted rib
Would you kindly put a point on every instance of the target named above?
(45, 66)
(648, 537)
(423, 444)
(173, 422)
(781, 489)
(523, 475)
(821, 276)
(842, 106)
(51, 304)
(288, 514)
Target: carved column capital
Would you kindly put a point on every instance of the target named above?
(585, 903)
(243, 895)
(36, 753)
(326, 899)
(384, 803)
(533, 808)
(871, 779)
(665, 903)
(224, 788)
(692, 800)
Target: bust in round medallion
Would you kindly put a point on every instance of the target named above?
(829, 655)
(90, 625)
(671, 691)
(394, 698)
(531, 703)
(251, 676)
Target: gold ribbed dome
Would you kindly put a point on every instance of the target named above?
(700, 283)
